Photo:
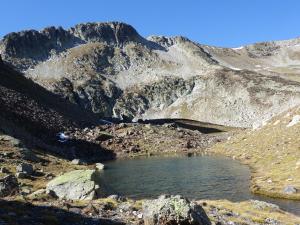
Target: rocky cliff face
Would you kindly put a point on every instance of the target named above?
(110, 69)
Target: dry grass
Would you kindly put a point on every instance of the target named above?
(272, 152)
(245, 212)
(49, 164)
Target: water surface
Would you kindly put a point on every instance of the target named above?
(199, 177)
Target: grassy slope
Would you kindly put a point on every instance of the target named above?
(273, 153)
(246, 212)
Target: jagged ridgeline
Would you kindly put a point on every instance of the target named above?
(110, 69)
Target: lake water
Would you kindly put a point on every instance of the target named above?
(199, 177)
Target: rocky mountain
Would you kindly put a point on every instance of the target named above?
(35, 115)
(108, 68)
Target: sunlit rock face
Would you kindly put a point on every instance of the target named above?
(111, 70)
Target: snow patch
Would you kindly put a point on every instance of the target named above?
(295, 120)
(238, 48)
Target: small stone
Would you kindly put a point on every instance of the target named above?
(49, 176)
(25, 168)
(114, 197)
(117, 198)
(77, 162)
(290, 190)
(100, 166)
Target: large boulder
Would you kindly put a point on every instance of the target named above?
(8, 185)
(173, 210)
(76, 185)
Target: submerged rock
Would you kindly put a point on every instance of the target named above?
(173, 210)
(76, 185)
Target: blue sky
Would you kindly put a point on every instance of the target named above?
(228, 23)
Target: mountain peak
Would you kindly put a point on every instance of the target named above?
(110, 32)
(32, 46)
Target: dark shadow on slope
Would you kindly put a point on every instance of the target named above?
(20, 213)
(35, 116)
(203, 127)
(16, 81)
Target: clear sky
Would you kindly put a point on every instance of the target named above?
(228, 23)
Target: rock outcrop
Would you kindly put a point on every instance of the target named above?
(108, 68)
(76, 185)
(174, 210)
(8, 185)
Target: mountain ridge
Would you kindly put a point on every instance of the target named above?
(108, 67)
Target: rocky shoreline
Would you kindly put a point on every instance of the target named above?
(33, 180)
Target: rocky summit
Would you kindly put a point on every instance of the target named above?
(109, 69)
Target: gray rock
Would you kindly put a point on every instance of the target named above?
(76, 185)
(261, 205)
(173, 210)
(290, 190)
(100, 166)
(117, 198)
(8, 185)
(25, 168)
(77, 162)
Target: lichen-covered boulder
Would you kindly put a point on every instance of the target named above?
(173, 210)
(76, 185)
